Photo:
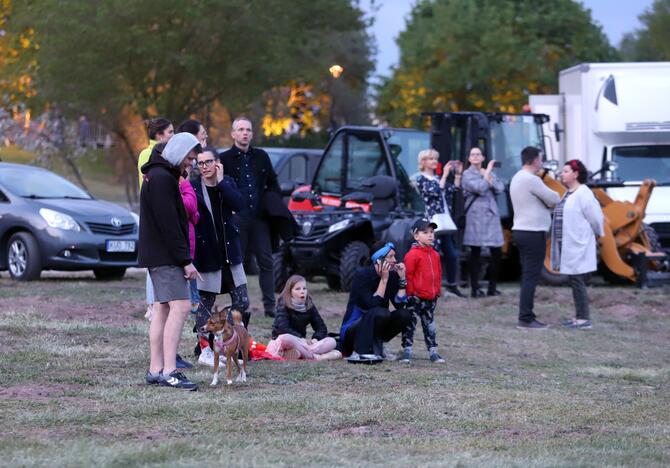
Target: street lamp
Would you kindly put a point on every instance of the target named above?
(336, 71)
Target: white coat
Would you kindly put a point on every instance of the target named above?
(582, 222)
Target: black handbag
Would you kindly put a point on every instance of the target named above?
(462, 218)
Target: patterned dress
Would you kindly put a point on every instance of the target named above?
(436, 199)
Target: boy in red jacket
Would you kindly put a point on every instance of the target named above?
(424, 280)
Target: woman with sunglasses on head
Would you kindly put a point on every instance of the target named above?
(578, 220)
(218, 253)
(482, 227)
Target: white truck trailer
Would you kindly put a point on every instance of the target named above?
(615, 112)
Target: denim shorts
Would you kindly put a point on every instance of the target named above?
(169, 284)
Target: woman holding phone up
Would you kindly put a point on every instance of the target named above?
(482, 227)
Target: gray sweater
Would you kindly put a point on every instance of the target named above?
(532, 202)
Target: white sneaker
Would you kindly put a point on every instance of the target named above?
(206, 357)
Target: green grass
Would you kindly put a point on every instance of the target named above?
(73, 355)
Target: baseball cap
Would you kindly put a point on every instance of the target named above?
(422, 224)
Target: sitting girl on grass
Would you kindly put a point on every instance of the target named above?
(295, 310)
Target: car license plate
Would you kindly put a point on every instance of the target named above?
(120, 246)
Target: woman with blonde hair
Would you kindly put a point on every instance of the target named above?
(437, 193)
(295, 310)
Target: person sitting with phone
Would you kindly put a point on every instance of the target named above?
(368, 322)
(482, 227)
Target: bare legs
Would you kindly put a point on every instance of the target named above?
(165, 332)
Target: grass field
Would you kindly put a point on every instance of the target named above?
(73, 353)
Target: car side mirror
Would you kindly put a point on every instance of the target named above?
(286, 188)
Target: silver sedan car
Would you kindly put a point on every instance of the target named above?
(48, 223)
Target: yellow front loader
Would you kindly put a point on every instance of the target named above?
(626, 251)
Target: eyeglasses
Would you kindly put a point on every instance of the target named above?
(206, 163)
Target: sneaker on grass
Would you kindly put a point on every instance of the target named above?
(534, 325)
(436, 358)
(183, 363)
(177, 380)
(579, 325)
(154, 379)
(206, 357)
(405, 356)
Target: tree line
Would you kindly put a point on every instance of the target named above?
(121, 61)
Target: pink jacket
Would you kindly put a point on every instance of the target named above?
(191, 205)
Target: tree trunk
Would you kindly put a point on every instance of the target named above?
(73, 167)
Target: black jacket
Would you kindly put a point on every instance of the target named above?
(163, 221)
(295, 323)
(282, 223)
(208, 256)
(363, 287)
(264, 173)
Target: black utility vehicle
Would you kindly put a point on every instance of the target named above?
(360, 192)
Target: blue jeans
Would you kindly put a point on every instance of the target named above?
(195, 296)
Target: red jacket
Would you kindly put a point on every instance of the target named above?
(424, 272)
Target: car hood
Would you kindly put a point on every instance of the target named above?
(88, 209)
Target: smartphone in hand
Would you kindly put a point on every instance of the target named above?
(497, 164)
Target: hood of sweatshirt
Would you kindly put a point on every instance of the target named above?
(157, 160)
(179, 146)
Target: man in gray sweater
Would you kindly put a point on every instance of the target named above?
(532, 202)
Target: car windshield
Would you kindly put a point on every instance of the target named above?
(31, 183)
(637, 163)
(508, 138)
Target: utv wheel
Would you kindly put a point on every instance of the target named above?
(109, 274)
(354, 255)
(334, 282)
(281, 263)
(23, 257)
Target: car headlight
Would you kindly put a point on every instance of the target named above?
(56, 219)
(339, 225)
(136, 217)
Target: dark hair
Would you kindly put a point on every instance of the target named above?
(529, 154)
(156, 126)
(158, 149)
(467, 160)
(577, 166)
(212, 150)
(189, 126)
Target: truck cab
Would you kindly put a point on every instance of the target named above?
(616, 113)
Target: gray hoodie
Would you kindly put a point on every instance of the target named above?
(179, 146)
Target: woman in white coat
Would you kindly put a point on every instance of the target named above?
(578, 220)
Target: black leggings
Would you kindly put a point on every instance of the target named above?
(474, 265)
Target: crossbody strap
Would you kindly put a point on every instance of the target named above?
(470, 204)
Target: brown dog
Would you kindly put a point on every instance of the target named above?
(229, 339)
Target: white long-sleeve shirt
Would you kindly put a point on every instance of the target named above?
(532, 202)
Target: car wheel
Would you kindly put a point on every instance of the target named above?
(23, 257)
(109, 274)
(281, 267)
(334, 282)
(354, 255)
